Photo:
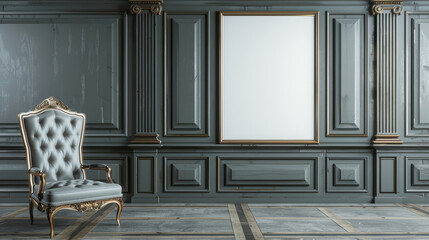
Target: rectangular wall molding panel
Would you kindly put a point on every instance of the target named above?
(186, 174)
(13, 174)
(259, 175)
(418, 77)
(146, 167)
(347, 75)
(77, 58)
(387, 175)
(347, 174)
(416, 174)
(186, 75)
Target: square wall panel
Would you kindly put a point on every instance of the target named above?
(346, 174)
(417, 174)
(186, 174)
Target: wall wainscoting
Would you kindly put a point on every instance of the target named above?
(149, 83)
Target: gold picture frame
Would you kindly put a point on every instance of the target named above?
(313, 130)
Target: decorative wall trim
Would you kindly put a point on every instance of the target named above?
(145, 80)
(387, 177)
(347, 174)
(137, 6)
(416, 173)
(176, 168)
(194, 123)
(416, 70)
(118, 126)
(335, 125)
(386, 78)
(152, 176)
(288, 174)
(378, 6)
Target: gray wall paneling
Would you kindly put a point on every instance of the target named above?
(347, 76)
(189, 165)
(186, 74)
(417, 118)
(77, 57)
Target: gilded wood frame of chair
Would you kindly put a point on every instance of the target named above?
(37, 200)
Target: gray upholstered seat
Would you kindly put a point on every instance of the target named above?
(77, 190)
(53, 137)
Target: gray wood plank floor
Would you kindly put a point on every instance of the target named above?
(225, 221)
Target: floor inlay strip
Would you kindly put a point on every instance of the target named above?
(171, 218)
(346, 226)
(236, 225)
(248, 233)
(257, 233)
(13, 214)
(85, 224)
(419, 208)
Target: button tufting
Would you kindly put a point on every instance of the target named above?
(73, 122)
(66, 134)
(42, 122)
(43, 146)
(51, 159)
(37, 135)
(59, 146)
(58, 121)
(50, 133)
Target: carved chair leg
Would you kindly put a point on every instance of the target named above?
(118, 213)
(50, 215)
(30, 208)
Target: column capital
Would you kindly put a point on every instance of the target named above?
(378, 6)
(137, 6)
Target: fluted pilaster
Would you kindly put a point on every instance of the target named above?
(145, 79)
(386, 71)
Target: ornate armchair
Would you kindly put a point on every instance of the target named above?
(53, 137)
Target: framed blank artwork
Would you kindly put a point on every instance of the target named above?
(268, 77)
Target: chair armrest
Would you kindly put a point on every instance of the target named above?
(42, 176)
(35, 171)
(96, 166)
(99, 166)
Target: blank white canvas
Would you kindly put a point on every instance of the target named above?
(268, 78)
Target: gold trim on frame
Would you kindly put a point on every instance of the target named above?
(315, 14)
(47, 104)
(80, 207)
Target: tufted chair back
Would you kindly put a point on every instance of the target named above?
(53, 138)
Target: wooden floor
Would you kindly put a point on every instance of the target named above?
(225, 221)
